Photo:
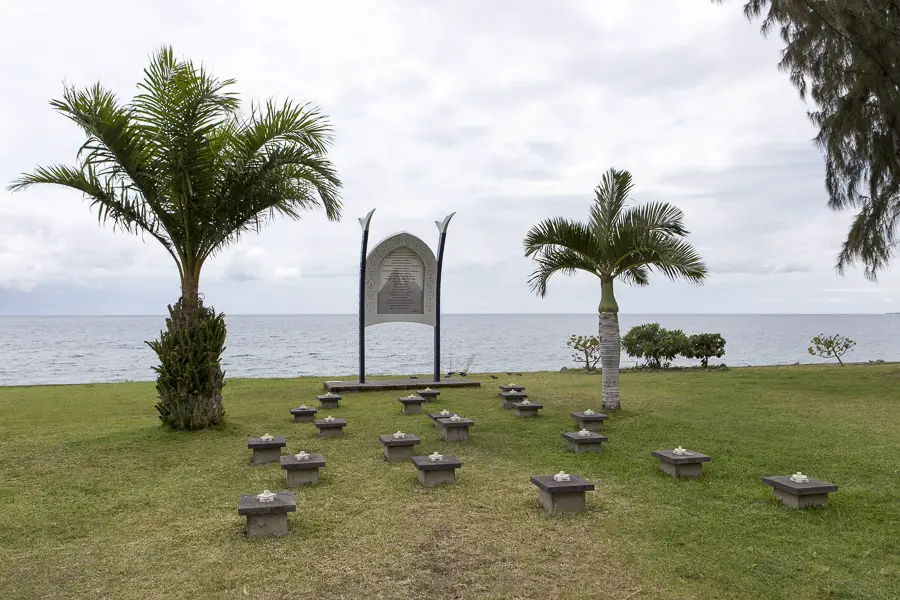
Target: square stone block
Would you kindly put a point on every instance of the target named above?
(429, 395)
(436, 473)
(266, 518)
(588, 443)
(298, 477)
(304, 415)
(328, 403)
(455, 431)
(800, 495)
(414, 408)
(330, 429)
(302, 472)
(562, 496)
(398, 449)
(592, 422)
(436, 418)
(509, 398)
(680, 465)
(512, 388)
(331, 432)
(264, 456)
(527, 410)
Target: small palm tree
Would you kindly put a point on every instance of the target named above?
(618, 242)
(182, 165)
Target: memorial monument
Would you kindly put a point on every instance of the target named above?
(399, 282)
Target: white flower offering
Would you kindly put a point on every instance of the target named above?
(329, 418)
(584, 433)
(301, 455)
(455, 418)
(561, 476)
(681, 451)
(445, 412)
(510, 384)
(435, 457)
(589, 412)
(412, 396)
(266, 496)
(427, 389)
(304, 407)
(799, 477)
(266, 437)
(399, 435)
(526, 401)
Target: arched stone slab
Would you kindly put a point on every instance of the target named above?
(400, 281)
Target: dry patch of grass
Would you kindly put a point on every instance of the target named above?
(99, 501)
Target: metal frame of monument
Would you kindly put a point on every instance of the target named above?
(400, 281)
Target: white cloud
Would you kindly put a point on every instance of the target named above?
(505, 112)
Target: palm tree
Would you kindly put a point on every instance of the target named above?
(182, 165)
(618, 242)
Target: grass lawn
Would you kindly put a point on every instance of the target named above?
(99, 501)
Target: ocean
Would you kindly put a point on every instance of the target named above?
(55, 350)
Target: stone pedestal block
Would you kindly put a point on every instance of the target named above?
(411, 406)
(680, 465)
(304, 415)
(455, 431)
(433, 473)
(562, 496)
(302, 472)
(584, 443)
(330, 429)
(267, 518)
(592, 422)
(429, 395)
(527, 410)
(511, 397)
(266, 451)
(398, 449)
(800, 495)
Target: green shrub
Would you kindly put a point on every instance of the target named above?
(656, 345)
(586, 350)
(705, 346)
(190, 377)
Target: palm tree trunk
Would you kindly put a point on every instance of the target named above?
(190, 289)
(610, 345)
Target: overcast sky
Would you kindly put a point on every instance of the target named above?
(506, 112)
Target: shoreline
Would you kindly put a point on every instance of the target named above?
(425, 377)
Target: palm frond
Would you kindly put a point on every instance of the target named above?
(552, 260)
(560, 232)
(610, 198)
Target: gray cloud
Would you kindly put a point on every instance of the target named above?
(505, 112)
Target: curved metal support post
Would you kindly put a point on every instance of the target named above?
(442, 238)
(364, 223)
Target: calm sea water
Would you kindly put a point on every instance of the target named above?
(39, 350)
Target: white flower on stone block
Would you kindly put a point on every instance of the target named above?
(589, 413)
(584, 433)
(456, 417)
(526, 401)
(266, 437)
(681, 451)
(445, 412)
(561, 476)
(266, 496)
(303, 407)
(399, 435)
(412, 396)
(329, 418)
(799, 477)
(301, 455)
(435, 457)
(427, 389)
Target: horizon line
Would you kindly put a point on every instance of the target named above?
(464, 314)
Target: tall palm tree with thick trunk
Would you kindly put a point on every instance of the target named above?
(617, 242)
(182, 165)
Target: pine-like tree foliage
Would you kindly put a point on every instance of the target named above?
(190, 376)
(844, 55)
